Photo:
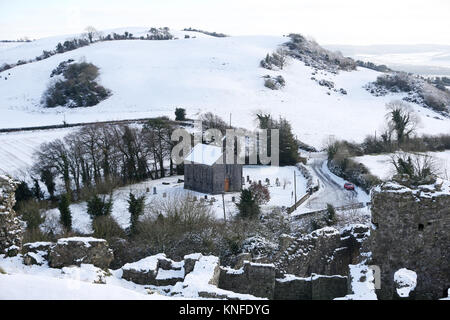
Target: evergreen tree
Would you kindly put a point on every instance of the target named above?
(248, 206)
(37, 192)
(48, 178)
(288, 143)
(23, 193)
(97, 207)
(180, 114)
(59, 48)
(64, 211)
(136, 208)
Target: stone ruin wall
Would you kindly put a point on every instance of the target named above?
(11, 228)
(411, 230)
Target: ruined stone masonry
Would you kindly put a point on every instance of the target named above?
(324, 251)
(11, 228)
(411, 230)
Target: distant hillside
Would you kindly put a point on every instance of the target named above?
(222, 75)
(423, 59)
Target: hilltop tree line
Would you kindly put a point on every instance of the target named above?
(90, 36)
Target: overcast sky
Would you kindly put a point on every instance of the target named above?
(328, 21)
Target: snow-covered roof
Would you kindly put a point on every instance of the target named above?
(204, 154)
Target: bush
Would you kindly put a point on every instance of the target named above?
(398, 81)
(105, 227)
(331, 219)
(180, 114)
(22, 193)
(341, 164)
(136, 208)
(37, 235)
(213, 34)
(420, 169)
(274, 83)
(64, 211)
(171, 220)
(97, 207)
(159, 34)
(79, 89)
(248, 205)
(31, 213)
(261, 193)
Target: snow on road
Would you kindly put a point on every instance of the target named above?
(331, 189)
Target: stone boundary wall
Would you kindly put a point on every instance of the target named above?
(260, 280)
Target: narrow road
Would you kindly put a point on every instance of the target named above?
(331, 187)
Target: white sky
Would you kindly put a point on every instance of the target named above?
(328, 21)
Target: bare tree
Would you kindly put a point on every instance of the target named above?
(280, 56)
(401, 119)
(91, 33)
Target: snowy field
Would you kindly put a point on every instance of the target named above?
(280, 196)
(381, 166)
(88, 282)
(68, 283)
(17, 149)
(221, 75)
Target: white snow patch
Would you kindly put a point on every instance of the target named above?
(146, 264)
(406, 281)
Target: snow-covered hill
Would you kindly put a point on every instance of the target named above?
(222, 75)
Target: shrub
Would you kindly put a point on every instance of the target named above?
(398, 81)
(37, 235)
(159, 34)
(274, 83)
(31, 212)
(97, 207)
(213, 34)
(420, 169)
(248, 205)
(212, 121)
(106, 227)
(79, 89)
(5, 67)
(22, 193)
(48, 178)
(64, 211)
(180, 114)
(331, 219)
(170, 220)
(136, 208)
(261, 193)
(36, 190)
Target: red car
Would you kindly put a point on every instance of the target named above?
(349, 186)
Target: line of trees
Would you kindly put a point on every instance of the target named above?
(105, 154)
(89, 36)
